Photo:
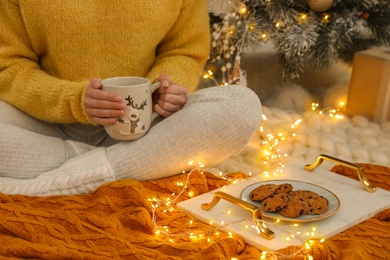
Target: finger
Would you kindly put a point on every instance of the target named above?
(99, 112)
(103, 104)
(161, 111)
(96, 83)
(165, 80)
(169, 107)
(173, 99)
(174, 89)
(98, 94)
(103, 121)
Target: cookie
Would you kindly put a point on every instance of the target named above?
(316, 204)
(284, 188)
(262, 192)
(275, 202)
(296, 206)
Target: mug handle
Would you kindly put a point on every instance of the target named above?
(154, 87)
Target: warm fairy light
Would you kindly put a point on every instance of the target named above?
(209, 75)
(264, 36)
(251, 27)
(335, 113)
(231, 29)
(302, 18)
(243, 9)
(326, 18)
(191, 194)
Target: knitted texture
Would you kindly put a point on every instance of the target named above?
(50, 50)
(79, 175)
(116, 221)
(353, 139)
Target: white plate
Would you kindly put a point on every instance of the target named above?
(333, 207)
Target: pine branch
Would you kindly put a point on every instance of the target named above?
(300, 33)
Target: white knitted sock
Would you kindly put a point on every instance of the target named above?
(81, 174)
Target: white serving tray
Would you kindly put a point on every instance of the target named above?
(356, 205)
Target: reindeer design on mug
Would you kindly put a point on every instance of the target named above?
(133, 113)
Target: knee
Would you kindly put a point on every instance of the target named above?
(243, 107)
(235, 113)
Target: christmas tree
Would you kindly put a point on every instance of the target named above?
(317, 31)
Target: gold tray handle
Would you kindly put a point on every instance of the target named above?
(360, 170)
(256, 212)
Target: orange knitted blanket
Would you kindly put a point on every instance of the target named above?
(122, 220)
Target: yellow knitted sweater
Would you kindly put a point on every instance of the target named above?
(49, 50)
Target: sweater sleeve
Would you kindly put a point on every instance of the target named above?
(22, 82)
(186, 47)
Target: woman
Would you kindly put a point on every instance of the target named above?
(52, 109)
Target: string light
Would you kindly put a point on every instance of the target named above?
(209, 75)
(243, 9)
(272, 163)
(326, 18)
(337, 113)
(264, 36)
(302, 18)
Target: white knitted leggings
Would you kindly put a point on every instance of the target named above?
(39, 158)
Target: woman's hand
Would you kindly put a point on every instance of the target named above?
(102, 106)
(170, 98)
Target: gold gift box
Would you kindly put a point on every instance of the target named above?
(369, 88)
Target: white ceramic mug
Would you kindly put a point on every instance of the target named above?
(136, 94)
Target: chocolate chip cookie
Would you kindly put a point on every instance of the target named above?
(262, 192)
(275, 202)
